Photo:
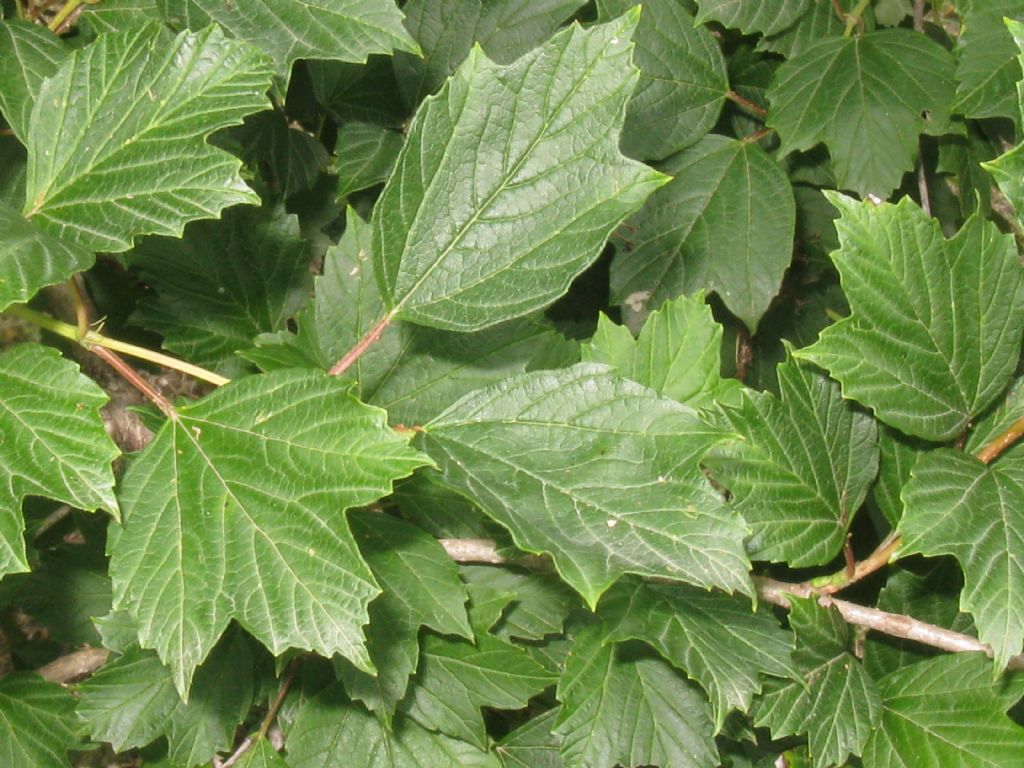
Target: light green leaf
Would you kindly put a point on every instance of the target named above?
(236, 510)
(718, 640)
(37, 722)
(801, 467)
(598, 472)
(955, 505)
(646, 713)
(835, 702)
(412, 371)
(840, 92)
(457, 677)
(421, 588)
(916, 728)
(678, 353)
(987, 68)
(365, 155)
(767, 16)
(223, 283)
(532, 745)
(889, 13)
(330, 730)
(31, 259)
(288, 30)
(682, 85)
(489, 214)
(29, 54)
(100, 184)
(52, 442)
(935, 326)
(724, 191)
(1008, 170)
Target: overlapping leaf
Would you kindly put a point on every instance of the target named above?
(100, 183)
(540, 603)
(935, 326)
(532, 745)
(365, 155)
(236, 510)
(841, 92)
(801, 468)
(287, 30)
(29, 54)
(421, 588)
(918, 727)
(36, 720)
(1008, 170)
(987, 68)
(677, 354)
(52, 442)
(599, 472)
(330, 730)
(683, 81)
(724, 191)
(955, 505)
(767, 16)
(716, 639)
(818, 23)
(223, 283)
(835, 702)
(31, 259)
(490, 212)
(646, 713)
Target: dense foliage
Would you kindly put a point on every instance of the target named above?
(535, 375)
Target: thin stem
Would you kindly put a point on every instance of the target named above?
(69, 7)
(757, 135)
(268, 721)
(853, 17)
(96, 339)
(827, 585)
(747, 104)
(364, 344)
(132, 376)
(1008, 437)
(81, 303)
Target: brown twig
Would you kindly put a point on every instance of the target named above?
(73, 666)
(747, 104)
(275, 706)
(132, 376)
(364, 344)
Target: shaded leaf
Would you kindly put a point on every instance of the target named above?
(29, 54)
(223, 283)
(236, 510)
(539, 606)
(365, 155)
(678, 353)
(835, 702)
(935, 325)
(955, 505)
(100, 184)
(261, 755)
(818, 23)
(52, 442)
(37, 722)
(598, 472)
(801, 468)
(646, 714)
(510, 183)
(897, 455)
(724, 191)
(987, 68)
(718, 640)
(839, 92)
(533, 744)
(767, 16)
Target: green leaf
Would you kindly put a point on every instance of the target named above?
(1008, 170)
(509, 184)
(836, 702)
(262, 755)
(37, 722)
(52, 442)
(64, 591)
(539, 606)
(223, 283)
(767, 16)
(955, 505)
(457, 677)
(717, 640)
(820, 22)
(12, 175)
(421, 588)
(678, 353)
(330, 730)
(987, 68)
(532, 745)
(366, 154)
(31, 259)
(596, 471)
(29, 54)
(100, 184)
(897, 455)
(916, 728)
(840, 92)
(801, 467)
(510, 28)
(288, 30)
(236, 510)
(724, 191)
(365, 92)
(117, 15)
(935, 325)
(646, 712)
(682, 84)
(414, 372)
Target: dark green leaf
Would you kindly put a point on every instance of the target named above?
(532, 745)
(767, 16)
(987, 68)
(37, 722)
(29, 54)
(539, 606)
(365, 155)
